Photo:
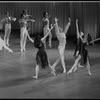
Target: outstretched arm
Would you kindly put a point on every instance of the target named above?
(77, 29)
(13, 18)
(47, 33)
(2, 21)
(30, 38)
(67, 27)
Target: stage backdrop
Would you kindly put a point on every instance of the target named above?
(86, 12)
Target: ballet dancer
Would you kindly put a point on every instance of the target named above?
(46, 28)
(7, 20)
(24, 19)
(81, 53)
(2, 44)
(42, 59)
(61, 36)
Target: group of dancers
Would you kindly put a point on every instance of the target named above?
(42, 60)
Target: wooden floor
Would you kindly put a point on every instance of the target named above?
(17, 69)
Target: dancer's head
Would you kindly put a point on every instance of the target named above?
(24, 11)
(56, 19)
(6, 13)
(46, 15)
(21, 16)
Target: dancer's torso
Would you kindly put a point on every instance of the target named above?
(46, 22)
(8, 22)
(60, 36)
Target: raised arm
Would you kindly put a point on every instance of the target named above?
(67, 27)
(77, 29)
(32, 20)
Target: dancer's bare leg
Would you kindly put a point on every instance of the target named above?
(45, 31)
(24, 44)
(36, 71)
(8, 36)
(88, 66)
(50, 39)
(52, 71)
(55, 64)
(75, 64)
(61, 52)
(5, 36)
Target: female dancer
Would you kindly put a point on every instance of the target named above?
(24, 32)
(42, 59)
(7, 20)
(46, 28)
(61, 36)
(81, 53)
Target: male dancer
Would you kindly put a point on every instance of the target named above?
(61, 36)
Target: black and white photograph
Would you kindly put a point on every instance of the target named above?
(49, 50)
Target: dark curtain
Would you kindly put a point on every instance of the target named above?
(86, 12)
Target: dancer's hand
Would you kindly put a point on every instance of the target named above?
(14, 19)
(42, 40)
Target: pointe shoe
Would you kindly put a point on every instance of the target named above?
(53, 72)
(89, 73)
(64, 71)
(21, 50)
(35, 77)
(24, 49)
(69, 72)
(50, 45)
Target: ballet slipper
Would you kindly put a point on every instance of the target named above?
(70, 71)
(35, 77)
(89, 73)
(64, 71)
(53, 73)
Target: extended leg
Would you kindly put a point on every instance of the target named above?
(36, 71)
(75, 64)
(50, 39)
(61, 52)
(88, 66)
(8, 36)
